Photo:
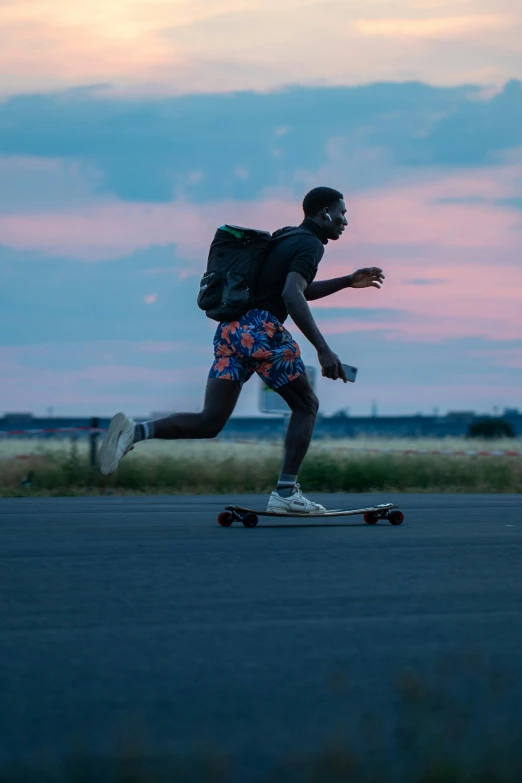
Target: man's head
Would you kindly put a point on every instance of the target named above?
(326, 207)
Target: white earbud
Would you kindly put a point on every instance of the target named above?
(328, 217)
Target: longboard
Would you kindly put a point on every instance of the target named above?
(371, 514)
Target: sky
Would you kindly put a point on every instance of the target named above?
(130, 130)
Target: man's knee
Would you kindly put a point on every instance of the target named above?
(211, 427)
(313, 404)
(307, 403)
(300, 397)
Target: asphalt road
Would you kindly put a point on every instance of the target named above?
(143, 613)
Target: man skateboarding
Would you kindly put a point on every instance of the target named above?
(258, 342)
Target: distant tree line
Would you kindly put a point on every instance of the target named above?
(490, 429)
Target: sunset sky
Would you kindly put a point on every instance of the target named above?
(130, 130)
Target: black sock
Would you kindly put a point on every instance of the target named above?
(286, 485)
(144, 431)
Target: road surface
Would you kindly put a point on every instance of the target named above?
(142, 612)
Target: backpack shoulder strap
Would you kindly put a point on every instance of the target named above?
(291, 232)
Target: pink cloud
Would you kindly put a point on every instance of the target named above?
(181, 47)
(100, 390)
(443, 27)
(502, 357)
(481, 299)
(396, 394)
(114, 229)
(411, 214)
(144, 374)
(99, 350)
(472, 249)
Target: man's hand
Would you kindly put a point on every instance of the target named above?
(371, 277)
(331, 366)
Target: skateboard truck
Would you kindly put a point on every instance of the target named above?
(233, 514)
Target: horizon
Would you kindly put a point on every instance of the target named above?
(342, 413)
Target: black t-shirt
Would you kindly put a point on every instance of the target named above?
(299, 252)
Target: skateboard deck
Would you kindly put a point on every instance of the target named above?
(372, 514)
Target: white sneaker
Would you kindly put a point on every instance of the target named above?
(118, 441)
(295, 504)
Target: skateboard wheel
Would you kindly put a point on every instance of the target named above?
(249, 520)
(225, 519)
(396, 517)
(371, 518)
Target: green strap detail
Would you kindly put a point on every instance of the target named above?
(233, 231)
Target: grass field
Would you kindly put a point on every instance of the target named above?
(61, 467)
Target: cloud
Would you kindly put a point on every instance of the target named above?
(60, 300)
(435, 27)
(207, 148)
(100, 390)
(505, 355)
(29, 182)
(323, 310)
(37, 39)
(93, 315)
(425, 281)
(514, 202)
(468, 200)
(207, 45)
(94, 378)
(464, 136)
(452, 373)
(407, 216)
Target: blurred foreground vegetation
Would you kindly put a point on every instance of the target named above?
(458, 725)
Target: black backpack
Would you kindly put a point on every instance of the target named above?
(235, 259)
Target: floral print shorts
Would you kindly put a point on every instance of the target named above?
(256, 343)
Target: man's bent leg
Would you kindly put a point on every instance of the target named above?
(221, 397)
(220, 400)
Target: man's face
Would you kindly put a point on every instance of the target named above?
(335, 227)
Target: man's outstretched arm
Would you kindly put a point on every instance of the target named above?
(299, 312)
(371, 277)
